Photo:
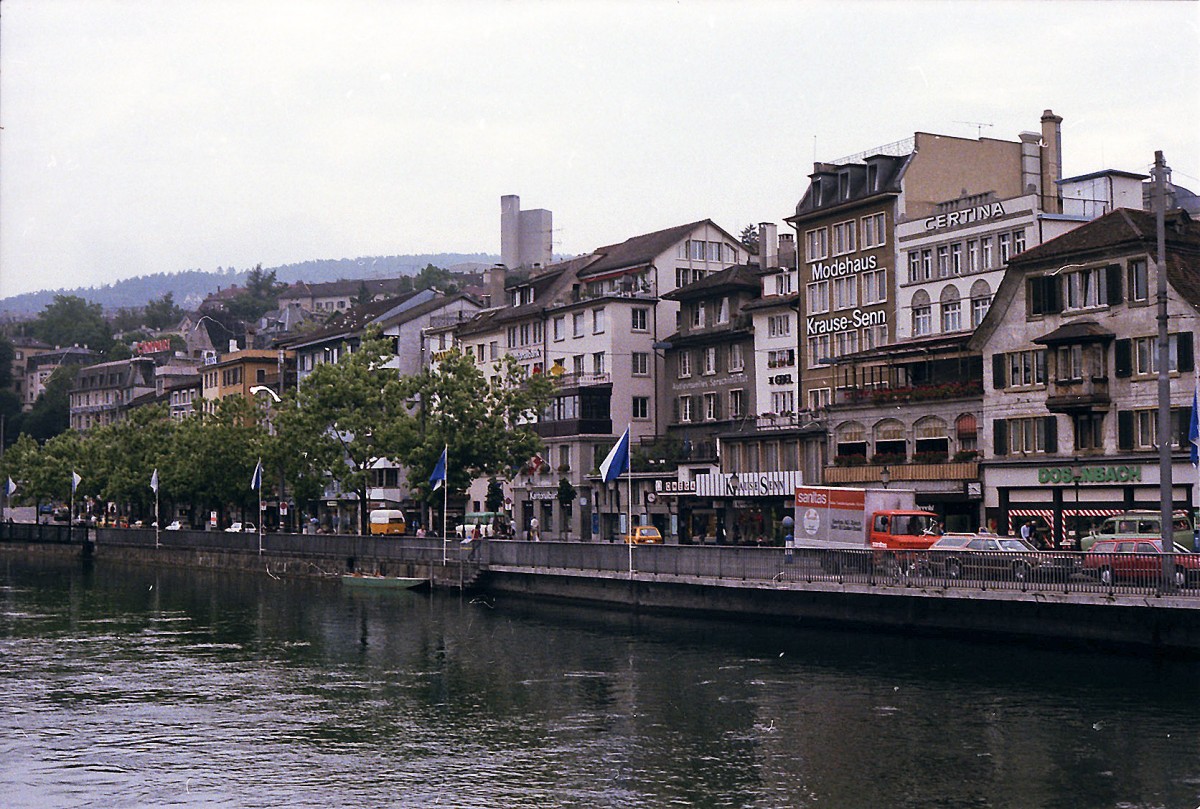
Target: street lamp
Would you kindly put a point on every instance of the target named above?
(257, 389)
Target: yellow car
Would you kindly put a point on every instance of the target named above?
(644, 535)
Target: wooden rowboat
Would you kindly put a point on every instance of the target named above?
(384, 582)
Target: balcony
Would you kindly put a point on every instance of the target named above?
(963, 389)
(569, 427)
(871, 475)
(583, 380)
(1074, 395)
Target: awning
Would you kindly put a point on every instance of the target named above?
(1076, 332)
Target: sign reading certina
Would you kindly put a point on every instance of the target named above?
(970, 216)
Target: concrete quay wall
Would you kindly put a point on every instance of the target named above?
(1136, 623)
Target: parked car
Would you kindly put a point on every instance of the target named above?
(1139, 560)
(644, 535)
(1007, 558)
(174, 525)
(241, 528)
(1140, 525)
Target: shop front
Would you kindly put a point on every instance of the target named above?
(1065, 501)
(744, 508)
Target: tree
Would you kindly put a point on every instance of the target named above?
(346, 416)
(434, 278)
(260, 296)
(10, 401)
(211, 457)
(749, 238)
(125, 454)
(162, 313)
(363, 296)
(494, 499)
(566, 496)
(51, 413)
(70, 320)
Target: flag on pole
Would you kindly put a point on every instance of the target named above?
(154, 481)
(11, 487)
(1194, 430)
(256, 480)
(438, 478)
(617, 460)
(75, 481)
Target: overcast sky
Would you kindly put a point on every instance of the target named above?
(146, 136)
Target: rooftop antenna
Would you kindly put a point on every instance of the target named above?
(979, 125)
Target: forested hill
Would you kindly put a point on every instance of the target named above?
(190, 287)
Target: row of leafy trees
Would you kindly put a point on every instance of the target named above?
(343, 418)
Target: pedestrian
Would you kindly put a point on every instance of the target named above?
(534, 533)
(475, 533)
(1027, 530)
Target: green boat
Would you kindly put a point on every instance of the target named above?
(381, 582)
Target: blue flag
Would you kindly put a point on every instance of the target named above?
(256, 481)
(1194, 431)
(617, 460)
(438, 478)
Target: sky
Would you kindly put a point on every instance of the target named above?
(148, 136)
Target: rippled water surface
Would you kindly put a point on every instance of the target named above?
(127, 686)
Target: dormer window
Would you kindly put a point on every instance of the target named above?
(843, 185)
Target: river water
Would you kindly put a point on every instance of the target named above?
(131, 686)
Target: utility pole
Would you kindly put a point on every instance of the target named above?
(1165, 482)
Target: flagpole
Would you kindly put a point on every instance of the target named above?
(260, 515)
(157, 521)
(629, 532)
(71, 514)
(445, 500)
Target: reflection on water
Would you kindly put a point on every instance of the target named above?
(128, 686)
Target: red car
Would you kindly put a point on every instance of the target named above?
(1139, 560)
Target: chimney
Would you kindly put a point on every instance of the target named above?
(494, 278)
(1051, 162)
(768, 245)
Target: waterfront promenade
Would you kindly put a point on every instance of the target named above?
(1057, 601)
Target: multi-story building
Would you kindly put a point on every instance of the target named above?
(1070, 393)
(103, 393)
(526, 237)
(24, 349)
(239, 371)
(40, 367)
(337, 296)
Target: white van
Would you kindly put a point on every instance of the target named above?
(388, 521)
(491, 524)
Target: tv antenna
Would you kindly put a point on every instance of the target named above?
(979, 125)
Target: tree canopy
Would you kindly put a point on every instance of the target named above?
(70, 320)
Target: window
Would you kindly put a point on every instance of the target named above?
(843, 238)
(1005, 247)
(914, 266)
(737, 403)
(1146, 429)
(782, 358)
(783, 283)
(640, 363)
(818, 349)
(972, 255)
(577, 324)
(712, 406)
(1085, 288)
(710, 360)
(512, 337)
(943, 260)
(985, 253)
(922, 321)
(638, 319)
(1018, 241)
(538, 333)
(779, 325)
(1026, 368)
(1089, 430)
(598, 363)
(817, 242)
(926, 265)
(818, 398)
(1138, 282)
(524, 335)
(874, 289)
(875, 336)
(598, 321)
(494, 350)
(641, 407)
(698, 316)
(560, 328)
(845, 342)
(683, 276)
(1145, 354)
(845, 292)
(783, 401)
(685, 364)
(951, 316)
(818, 297)
(1027, 435)
(714, 251)
(979, 310)
(698, 250)
(577, 365)
(956, 266)
(723, 311)
(872, 231)
(737, 360)
(1069, 363)
(685, 408)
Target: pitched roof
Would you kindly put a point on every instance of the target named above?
(638, 250)
(739, 276)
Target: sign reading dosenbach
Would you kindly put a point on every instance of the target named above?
(968, 217)
(1090, 474)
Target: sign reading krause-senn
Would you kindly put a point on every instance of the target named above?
(830, 513)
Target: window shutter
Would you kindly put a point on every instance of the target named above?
(1123, 358)
(1187, 357)
(675, 411)
(999, 367)
(1184, 426)
(1115, 294)
(1124, 429)
(1051, 433)
(717, 407)
(1033, 290)
(1000, 437)
(1053, 294)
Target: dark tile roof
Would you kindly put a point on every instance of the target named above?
(639, 250)
(1077, 331)
(739, 276)
(771, 301)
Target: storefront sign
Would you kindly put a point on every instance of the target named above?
(675, 486)
(847, 266)
(1090, 474)
(546, 495)
(856, 319)
(970, 216)
(749, 484)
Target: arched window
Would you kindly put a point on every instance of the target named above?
(851, 442)
(891, 442)
(922, 314)
(981, 301)
(951, 304)
(966, 427)
(931, 440)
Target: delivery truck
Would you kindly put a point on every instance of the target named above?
(843, 519)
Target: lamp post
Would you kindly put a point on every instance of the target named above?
(254, 391)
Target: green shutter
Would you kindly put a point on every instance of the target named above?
(999, 437)
(1115, 294)
(999, 366)
(1186, 354)
(1123, 358)
(1124, 429)
(1051, 426)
